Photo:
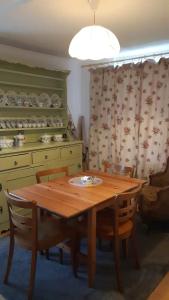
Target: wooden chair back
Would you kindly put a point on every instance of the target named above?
(25, 226)
(118, 169)
(126, 205)
(49, 172)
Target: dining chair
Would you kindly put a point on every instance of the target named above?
(51, 172)
(118, 169)
(115, 169)
(32, 233)
(40, 175)
(117, 225)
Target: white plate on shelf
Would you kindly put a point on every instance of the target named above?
(79, 181)
(56, 101)
(2, 94)
(44, 100)
(33, 99)
(24, 99)
(11, 96)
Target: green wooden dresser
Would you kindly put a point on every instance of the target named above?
(33, 103)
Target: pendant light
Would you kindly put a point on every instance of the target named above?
(94, 42)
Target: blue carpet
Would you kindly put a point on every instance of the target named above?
(55, 281)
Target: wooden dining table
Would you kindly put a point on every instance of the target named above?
(59, 196)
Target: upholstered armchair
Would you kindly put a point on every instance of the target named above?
(154, 199)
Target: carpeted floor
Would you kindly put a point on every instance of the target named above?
(55, 281)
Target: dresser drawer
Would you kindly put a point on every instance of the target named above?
(42, 156)
(71, 152)
(15, 161)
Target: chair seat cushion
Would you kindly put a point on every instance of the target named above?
(149, 193)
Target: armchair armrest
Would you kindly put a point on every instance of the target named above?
(160, 179)
(163, 192)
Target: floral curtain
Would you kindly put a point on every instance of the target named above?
(129, 116)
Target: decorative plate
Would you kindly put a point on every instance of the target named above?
(82, 182)
(44, 100)
(2, 93)
(22, 99)
(11, 97)
(33, 99)
(56, 101)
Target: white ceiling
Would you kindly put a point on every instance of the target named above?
(48, 26)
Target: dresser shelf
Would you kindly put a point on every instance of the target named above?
(31, 86)
(31, 108)
(31, 129)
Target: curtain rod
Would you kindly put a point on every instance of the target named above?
(126, 59)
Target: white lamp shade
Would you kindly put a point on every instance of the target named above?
(94, 42)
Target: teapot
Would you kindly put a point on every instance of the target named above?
(19, 140)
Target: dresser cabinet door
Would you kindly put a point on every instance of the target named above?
(15, 161)
(71, 152)
(45, 156)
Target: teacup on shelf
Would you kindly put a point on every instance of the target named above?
(45, 138)
(40, 104)
(57, 138)
(6, 143)
(26, 103)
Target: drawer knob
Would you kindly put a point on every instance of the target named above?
(46, 156)
(1, 209)
(0, 187)
(15, 163)
(70, 151)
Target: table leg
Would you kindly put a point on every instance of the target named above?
(91, 246)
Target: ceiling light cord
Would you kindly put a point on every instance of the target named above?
(93, 4)
(94, 17)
